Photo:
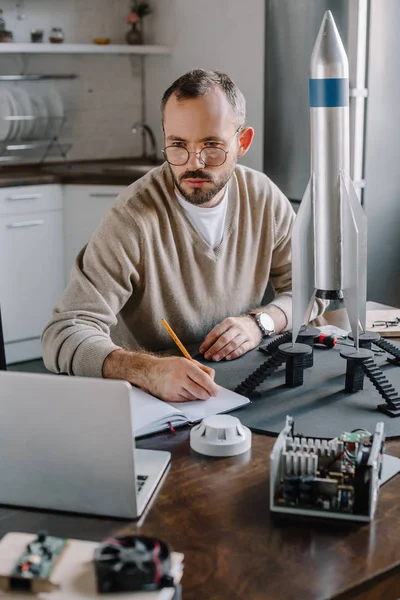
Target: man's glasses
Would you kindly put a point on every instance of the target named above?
(178, 156)
(392, 323)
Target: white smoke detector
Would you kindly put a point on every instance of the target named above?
(220, 435)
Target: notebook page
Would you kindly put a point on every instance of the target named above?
(198, 409)
(149, 412)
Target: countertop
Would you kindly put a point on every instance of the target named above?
(100, 172)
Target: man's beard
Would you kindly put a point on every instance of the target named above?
(199, 196)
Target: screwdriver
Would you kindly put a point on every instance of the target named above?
(327, 340)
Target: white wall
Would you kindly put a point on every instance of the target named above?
(227, 35)
(105, 100)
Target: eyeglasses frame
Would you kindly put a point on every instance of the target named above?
(387, 324)
(163, 150)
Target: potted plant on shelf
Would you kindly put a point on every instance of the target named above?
(139, 9)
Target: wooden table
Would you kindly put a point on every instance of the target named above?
(216, 512)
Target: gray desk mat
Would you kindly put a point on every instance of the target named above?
(320, 407)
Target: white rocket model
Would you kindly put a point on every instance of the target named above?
(329, 239)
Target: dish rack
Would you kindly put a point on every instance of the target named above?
(31, 138)
(23, 150)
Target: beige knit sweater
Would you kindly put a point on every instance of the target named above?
(146, 262)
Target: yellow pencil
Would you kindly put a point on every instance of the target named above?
(177, 340)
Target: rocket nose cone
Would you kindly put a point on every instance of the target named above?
(329, 57)
(328, 15)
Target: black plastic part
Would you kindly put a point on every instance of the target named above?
(308, 335)
(362, 490)
(354, 377)
(366, 339)
(273, 344)
(354, 373)
(295, 355)
(390, 349)
(329, 294)
(384, 387)
(358, 356)
(19, 584)
(132, 563)
(248, 386)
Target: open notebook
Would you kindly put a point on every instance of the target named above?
(150, 415)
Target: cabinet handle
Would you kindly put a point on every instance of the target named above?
(26, 224)
(103, 195)
(25, 197)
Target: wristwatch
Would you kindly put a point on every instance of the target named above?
(265, 322)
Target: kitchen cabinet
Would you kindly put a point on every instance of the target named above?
(31, 265)
(84, 207)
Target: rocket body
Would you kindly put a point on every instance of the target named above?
(330, 152)
(329, 234)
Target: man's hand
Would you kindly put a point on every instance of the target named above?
(231, 338)
(177, 379)
(173, 379)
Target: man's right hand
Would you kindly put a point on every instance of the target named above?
(172, 378)
(177, 379)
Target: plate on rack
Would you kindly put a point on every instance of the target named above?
(14, 130)
(6, 110)
(41, 122)
(55, 107)
(24, 126)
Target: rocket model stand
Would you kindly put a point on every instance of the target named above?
(362, 363)
(357, 367)
(308, 335)
(354, 372)
(329, 237)
(368, 338)
(297, 357)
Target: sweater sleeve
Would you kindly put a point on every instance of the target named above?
(281, 266)
(77, 338)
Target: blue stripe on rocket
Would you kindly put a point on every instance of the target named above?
(329, 92)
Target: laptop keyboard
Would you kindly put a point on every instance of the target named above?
(140, 481)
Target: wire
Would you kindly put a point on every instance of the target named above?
(157, 563)
(361, 429)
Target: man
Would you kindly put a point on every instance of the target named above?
(194, 242)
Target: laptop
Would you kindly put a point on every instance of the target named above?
(67, 443)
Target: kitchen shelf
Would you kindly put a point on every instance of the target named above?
(30, 48)
(34, 77)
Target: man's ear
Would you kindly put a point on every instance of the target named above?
(245, 138)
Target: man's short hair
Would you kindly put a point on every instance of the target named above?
(198, 82)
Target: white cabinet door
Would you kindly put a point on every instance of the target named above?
(84, 207)
(31, 271)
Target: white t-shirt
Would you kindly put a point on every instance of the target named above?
(208, 222)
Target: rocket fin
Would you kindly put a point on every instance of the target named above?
(361, 222)
(354, 257)
(302, 259)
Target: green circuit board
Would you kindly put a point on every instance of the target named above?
(37, 561)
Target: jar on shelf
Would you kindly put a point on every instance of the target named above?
(56, 35)
(37, 36)
(5, 36)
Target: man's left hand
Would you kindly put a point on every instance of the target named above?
(231, 338)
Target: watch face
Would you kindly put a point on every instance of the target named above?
(267, 322)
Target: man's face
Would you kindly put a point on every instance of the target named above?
(194, 124)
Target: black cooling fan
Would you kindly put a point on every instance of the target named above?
(132, 563)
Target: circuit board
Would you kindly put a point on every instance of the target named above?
(32, 570)
(336, 477)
